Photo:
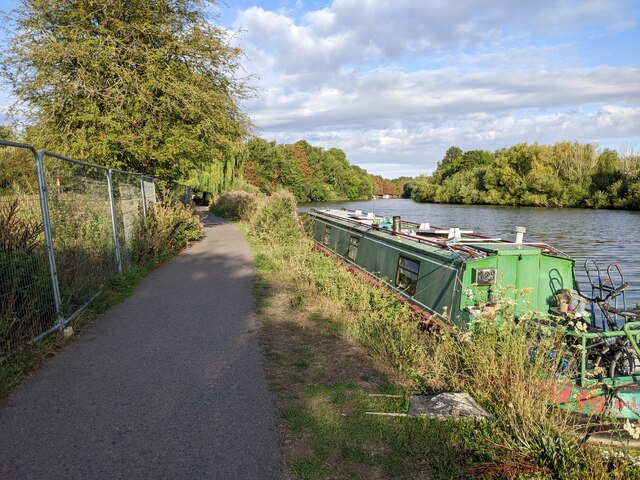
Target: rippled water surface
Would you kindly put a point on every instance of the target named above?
(607, 236)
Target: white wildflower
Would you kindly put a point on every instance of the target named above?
(632, 429)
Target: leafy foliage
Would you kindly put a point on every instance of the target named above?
(166, 230)
(147, 85)
(563, 175)
(311, 173)
(235, 205)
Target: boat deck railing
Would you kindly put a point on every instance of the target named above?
(473, 253)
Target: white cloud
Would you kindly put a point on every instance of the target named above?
(354, 32)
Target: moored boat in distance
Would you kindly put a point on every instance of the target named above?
(452, 273)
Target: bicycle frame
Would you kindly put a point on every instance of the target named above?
(630, 330)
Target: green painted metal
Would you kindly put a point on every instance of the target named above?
(379, 252)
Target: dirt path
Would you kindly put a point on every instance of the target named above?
(168, 384)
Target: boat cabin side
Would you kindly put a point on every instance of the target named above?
(525, 274)
(427, 276)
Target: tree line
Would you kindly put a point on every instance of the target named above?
(566, 174)
(153, 86)
(311, 173)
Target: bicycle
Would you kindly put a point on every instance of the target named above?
(613, 355)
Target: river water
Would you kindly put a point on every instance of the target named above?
(606, 236)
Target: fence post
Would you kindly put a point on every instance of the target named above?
(144, 196)
(114, 220)
(48, 238)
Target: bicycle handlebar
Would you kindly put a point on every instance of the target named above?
(613, 293)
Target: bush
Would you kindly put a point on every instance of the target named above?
(276, 219)
(168, 228)
(236, 205)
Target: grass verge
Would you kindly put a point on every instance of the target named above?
(325, 383)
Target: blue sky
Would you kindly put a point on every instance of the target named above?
(395, 83)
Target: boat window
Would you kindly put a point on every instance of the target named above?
(327, 234)
(352, 251)
(407, 274)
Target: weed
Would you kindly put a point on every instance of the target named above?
(306, 469)
(26, 300)
(167, 229)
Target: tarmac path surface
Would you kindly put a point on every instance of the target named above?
(169, 384)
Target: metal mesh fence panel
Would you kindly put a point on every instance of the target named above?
(27, 306)
(171, 192)
(149, 186)
(127, 191)
(66, 227)
(81, 228)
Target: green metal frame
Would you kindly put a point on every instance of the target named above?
(628, 331)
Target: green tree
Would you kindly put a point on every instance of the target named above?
(8, 133)
(309, 172)
(607, 171)
(423, 189)
(450, 164)
(144, 85)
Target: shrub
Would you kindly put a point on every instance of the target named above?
(236, 205)
(276, 219)
(168, 228)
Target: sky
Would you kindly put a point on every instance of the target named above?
(396, 83)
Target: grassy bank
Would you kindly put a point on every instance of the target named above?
(332, 340)
(167, 230)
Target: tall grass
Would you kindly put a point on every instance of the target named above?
(167, 229)
(26, 300)
(508, 366)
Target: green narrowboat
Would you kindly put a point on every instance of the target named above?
(450, 272)
(447, 272)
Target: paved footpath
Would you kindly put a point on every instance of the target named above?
(167, 385)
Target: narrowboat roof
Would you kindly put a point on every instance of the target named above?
(458, 242)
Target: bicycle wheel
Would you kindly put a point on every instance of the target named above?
(623, 363)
